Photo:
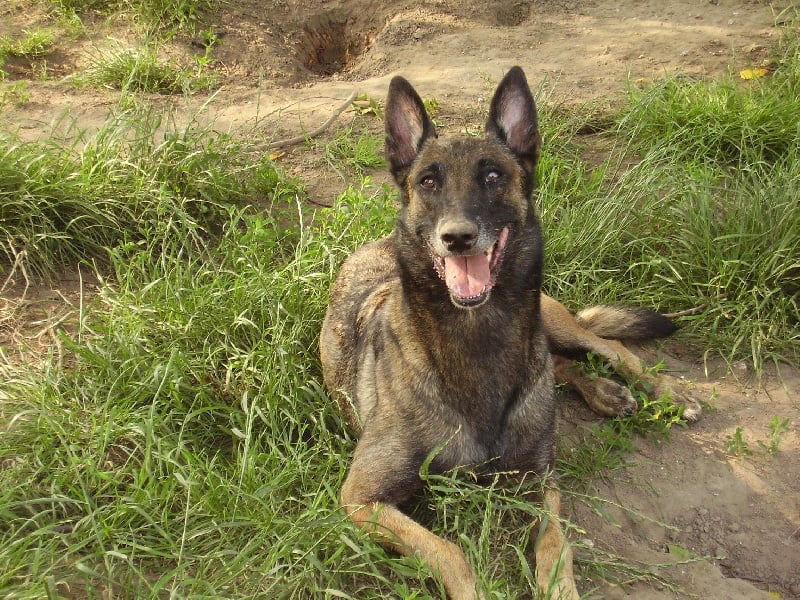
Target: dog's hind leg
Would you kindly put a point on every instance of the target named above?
(630, 366)
(395, 530)
(568, 337)
(554, 574)
(604, 396)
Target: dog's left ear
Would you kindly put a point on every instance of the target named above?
(512, 118)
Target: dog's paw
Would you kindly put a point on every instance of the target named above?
(680, 396)
(609, 398)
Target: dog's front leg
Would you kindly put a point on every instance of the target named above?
(399, 532)
(554, 575)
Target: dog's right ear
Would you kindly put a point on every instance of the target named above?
(407, 126)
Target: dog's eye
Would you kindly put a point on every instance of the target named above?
(492, 177)
(428, 182)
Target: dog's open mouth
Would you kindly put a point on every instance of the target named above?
(470, 279)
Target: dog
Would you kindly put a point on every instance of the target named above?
(437, 339)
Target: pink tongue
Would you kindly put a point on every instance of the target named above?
(467, 276)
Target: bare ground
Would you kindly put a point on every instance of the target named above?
(710, 524)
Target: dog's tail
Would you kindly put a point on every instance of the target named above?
(631, 323)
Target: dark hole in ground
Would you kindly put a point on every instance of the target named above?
(333, 46)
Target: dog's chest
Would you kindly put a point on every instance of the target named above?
(475, 414)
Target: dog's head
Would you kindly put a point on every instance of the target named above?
(466, 200)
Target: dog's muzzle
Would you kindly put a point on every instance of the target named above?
(470, 278)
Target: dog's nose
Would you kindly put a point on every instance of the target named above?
(458, 235)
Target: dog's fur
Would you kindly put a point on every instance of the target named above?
(437, 340)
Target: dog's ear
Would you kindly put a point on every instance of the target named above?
(407, 126)
(512, 117)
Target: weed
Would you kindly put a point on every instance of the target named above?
(736, 445)
(365, 105)
(209, 40)
(594, 366)
(432, 106)
(776, 427)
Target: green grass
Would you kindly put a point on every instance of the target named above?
(136, 70)
(353, 151)
(678, 236)
(164, 16)
(177, 442)
(16, 94)
(189, 449)
(706, 218)
(32, 44)
(139, 173)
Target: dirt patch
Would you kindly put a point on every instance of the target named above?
(33, 314)
(713, 525)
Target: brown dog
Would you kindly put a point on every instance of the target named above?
(435, 341)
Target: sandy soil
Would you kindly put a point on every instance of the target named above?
(713, 525)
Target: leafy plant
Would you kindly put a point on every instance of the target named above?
(432, 107)
(736, 445)
(365, 105)
(776, 427)
(209, 39)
